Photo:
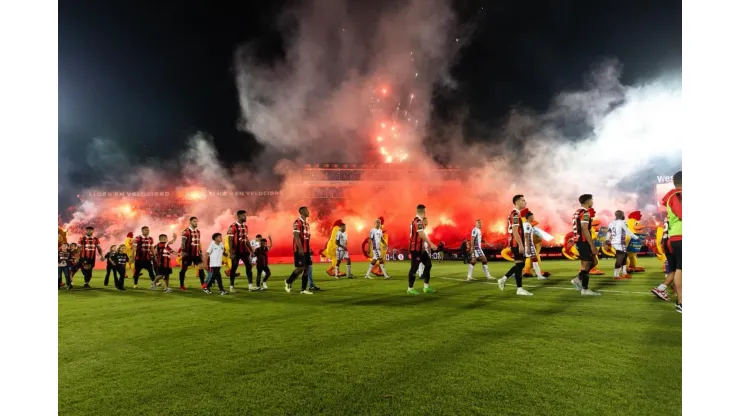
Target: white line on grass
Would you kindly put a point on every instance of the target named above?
(552, 287)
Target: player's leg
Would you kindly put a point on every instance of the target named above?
(248, 269)
(232, 272)
(618, 262)
(382, 267)
(216, 272)
(60, 277)
(471, 266)
(121, 276)
(267, 274)
(167, 272)
(299, 264)
(138, 265)
(87, 269)
(305, 276)
(349, 267)
(108, 270)
(678, 276)
(339, 262)
(183, 270)
(415, 262)
(259, 277)
(370, 267)
(427, 260)
(587, 263)
(484, 264)
(199, 266)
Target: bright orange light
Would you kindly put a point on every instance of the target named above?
(359, 227)
(384, 91)
(172, 226)
(404, 156)
(389, 159)
(382, 125)
(383, 151)
(380, 138)
(393, 128)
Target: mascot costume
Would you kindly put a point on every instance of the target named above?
(62, 237)
(383, 248)
(633, 223)
(129, 243)
(539, 236)
(569, 245)
(330, 250)
(658, 247)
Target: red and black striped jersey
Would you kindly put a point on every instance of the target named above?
(143, 247)
(303, 230)
(64, 257)
(88, 245)
(515, 218)
(240, 233)
(162, 253)
(261, 254)
(416, 244)
(191, 242)
(581, 216)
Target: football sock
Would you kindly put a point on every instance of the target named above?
(518, 274)
(369, 269)
(485, 269)
(349, 269)
(382, 268)
(616, 272)
(470, 270)
(536, 267)
(662, 287)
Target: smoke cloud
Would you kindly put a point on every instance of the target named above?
(357, 81)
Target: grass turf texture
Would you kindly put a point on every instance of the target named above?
(366, 347)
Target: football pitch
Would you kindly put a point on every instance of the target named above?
(365, 347)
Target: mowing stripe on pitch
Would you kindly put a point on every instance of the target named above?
(553, 287)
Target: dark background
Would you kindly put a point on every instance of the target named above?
(147, 75)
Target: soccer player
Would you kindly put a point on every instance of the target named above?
(673, 203)
(191, 252)
(121, 259)
(263, 268)
(476, 251)
(240, 249)
(301, 251)
(516, 242)
(417, 238)
(586, 248)
(89, 245)
(530, 251)
(343, 252)
(376, 239)
(109, 265)
(214, 257)
(616, 237)
(660, 291)
(63, 264)
(143, 249)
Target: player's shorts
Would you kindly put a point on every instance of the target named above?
(301, 259)
(478, 253)
(163, 271)
(530, 252)
(342, 254)
(376, 254)
(584, 251)
(191, 260)
(85, 261)
(619, 247)
(674, 256)
(142, 264)
(254, 260)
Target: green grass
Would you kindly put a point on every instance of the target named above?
(364, 347)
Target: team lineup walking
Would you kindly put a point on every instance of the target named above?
(227, 253)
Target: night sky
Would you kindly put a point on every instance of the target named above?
(147, 75)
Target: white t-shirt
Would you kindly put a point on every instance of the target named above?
(215, 254)
(376, 236)
(341, 239)
(528, 231)
(477, 235)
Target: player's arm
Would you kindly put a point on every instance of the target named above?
(269, 238)
(184, 242)
(629, 232)
(134, 245)
(297, 239)
(423, 235)
(174, 237)
(250, 249)
(515, 230)
(586, 231)
(472, 241)
(527, 241)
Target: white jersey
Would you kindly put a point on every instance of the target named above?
(341, 240)
(376, 236)
(529, 248)
(618, 232)
(215, 254)
(477, 237)
(255, 244)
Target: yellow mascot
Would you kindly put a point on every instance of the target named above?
(658, 246)
(330, 250)
(62, 237)
(633, 223)
(129, 243)
(569, 246)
